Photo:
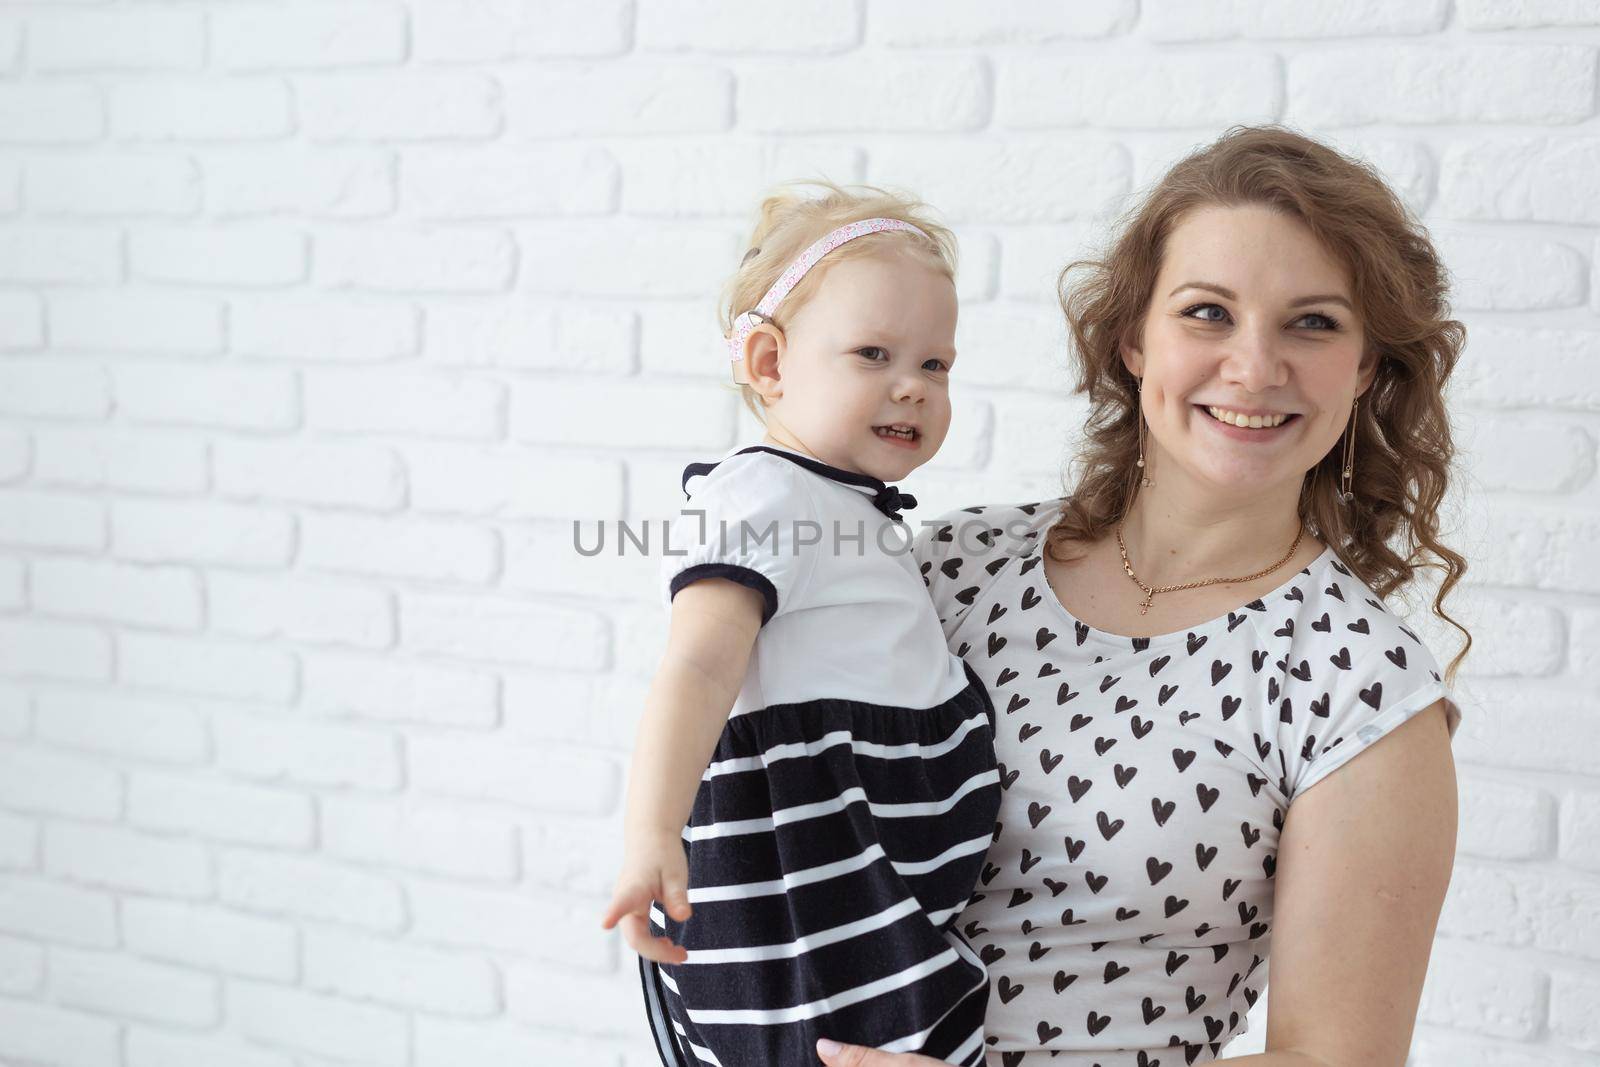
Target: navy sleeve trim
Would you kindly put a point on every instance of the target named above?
(743, 575)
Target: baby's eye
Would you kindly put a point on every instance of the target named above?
(937, 364)
(872, 352)
(1189, 312)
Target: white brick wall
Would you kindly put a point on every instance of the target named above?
(320, 320)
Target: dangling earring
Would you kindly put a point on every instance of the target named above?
(1347, 472)
(1144, 479)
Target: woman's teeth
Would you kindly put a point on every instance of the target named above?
(890, 431)
(1252, 422)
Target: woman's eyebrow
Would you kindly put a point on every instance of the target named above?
(1221, 291)
(1325, 298)
(1229, 294)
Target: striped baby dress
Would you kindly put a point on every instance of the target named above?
(841, 824)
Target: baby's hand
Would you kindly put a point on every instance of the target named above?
(652, 870)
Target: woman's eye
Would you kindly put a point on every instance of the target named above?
(1190, 312)
(1323, 322)
(872, 352)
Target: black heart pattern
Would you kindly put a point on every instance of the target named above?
(1211, 729)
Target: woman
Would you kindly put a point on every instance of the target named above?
(1181, 649)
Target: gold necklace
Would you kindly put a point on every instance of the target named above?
(1150, 593)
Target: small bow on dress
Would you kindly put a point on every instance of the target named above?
(890, 500)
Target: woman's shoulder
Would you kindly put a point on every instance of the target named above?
(981, 533)
(986, 529)
(1355, 670)
(961, 551)
(1341, 610)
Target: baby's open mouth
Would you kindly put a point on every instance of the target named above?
(898, 430)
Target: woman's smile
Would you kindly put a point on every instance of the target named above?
(1253, 434)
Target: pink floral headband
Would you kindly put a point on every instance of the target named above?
(749, 320)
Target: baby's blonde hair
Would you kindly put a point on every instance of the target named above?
(788, 223)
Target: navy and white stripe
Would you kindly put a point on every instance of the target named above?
(831, 846)
(842, 822)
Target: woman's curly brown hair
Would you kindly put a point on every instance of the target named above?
(1403, 446)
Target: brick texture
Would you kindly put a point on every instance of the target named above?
(321, 324)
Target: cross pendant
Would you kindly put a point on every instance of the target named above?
(1145, 607)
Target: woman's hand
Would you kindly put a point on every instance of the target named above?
(653, 869)
(858, 1056)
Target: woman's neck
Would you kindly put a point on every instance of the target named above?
(1175, 536)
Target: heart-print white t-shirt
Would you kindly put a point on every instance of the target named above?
(1125, 912)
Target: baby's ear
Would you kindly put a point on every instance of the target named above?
(763, 350)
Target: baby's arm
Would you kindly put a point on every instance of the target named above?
(713, 628)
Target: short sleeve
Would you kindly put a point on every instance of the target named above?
(1361, 688)
(747, 522)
